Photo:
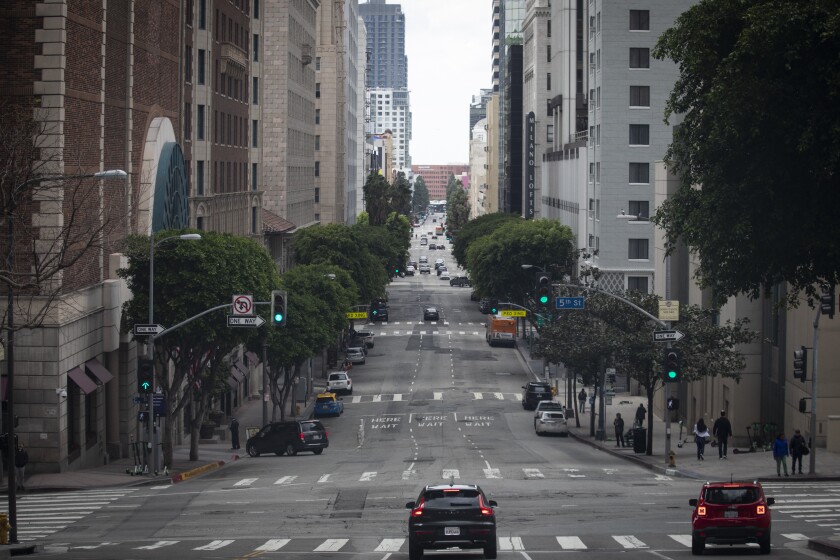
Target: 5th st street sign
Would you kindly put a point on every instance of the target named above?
(667, 336)
(245, 321)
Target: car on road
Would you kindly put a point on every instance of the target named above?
(442, 247)
(552, 422)
(327, 404)
(534, 392)
(432, 247)
(339, 382)
(443, 273)
(425, 269)
(289, 438)
(441, 269)
(461, 281)
(412, 263)
(730, 513)
(485, 306)
(363, 336)
(431, 314)
(451, 515)
(547, 406)
(355, 355)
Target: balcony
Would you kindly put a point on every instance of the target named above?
(234, 60)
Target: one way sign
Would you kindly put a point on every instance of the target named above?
(245, 321)
(666, 336)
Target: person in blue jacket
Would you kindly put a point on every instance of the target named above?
(780, 453)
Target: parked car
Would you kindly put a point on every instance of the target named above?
(365, 336)
(412, 263)
(431, 314)
(484, 306)
(425, 269)
(547, 406)
(327, 404)
(451, 515)
(534, 392)
(289, 438)
(355, 355)
(339, 382)
(551, 423)
(461, 281)
(731, 513)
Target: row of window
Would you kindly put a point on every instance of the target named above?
(228, 129)
(243, 5)
(226, 176)
(639, 21)
(640, 208)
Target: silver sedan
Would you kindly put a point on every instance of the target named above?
(553, 422)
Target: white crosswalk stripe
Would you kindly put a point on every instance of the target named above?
(215, 545)
(389, 545)
(684, 540)
(246, 482)
(629, 541)
(511, 543)
(446, 474)
(159, 544)
(286, 479)
(44, 514)
(273, 545)
(570, 543)
(331, 545)
(367, 476)
(532, 474)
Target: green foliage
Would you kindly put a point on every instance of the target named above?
(401, 195)
(457, 208)
(420, 197)
(495, 260)
(451, 185)
(474, 229)
(363, 218)
(758, 147)
(377, 198)
(388, 243)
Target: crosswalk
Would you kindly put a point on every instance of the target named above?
(430, 395)
(358, 545)
(817, 503)
(43, 514)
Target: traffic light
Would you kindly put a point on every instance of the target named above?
(803, 405)
(827, 301)
(543, 290)
(671, 364)
(145, 376)
(800, 363)
(279, 301)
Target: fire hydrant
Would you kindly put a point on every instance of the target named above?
(672, 459)
(4, 528)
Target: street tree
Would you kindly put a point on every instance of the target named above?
(377, 198)
(474, 229)
(420, 197)
(457, 209)
(388, 243)
(760, 186)
(451, 185)
(190, 278)
(400, 195)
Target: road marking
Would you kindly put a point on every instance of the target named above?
(478, 396)
(518, 397)
(446, 474)
(324, 478)
(684, 540)
(286, 479)
(162, 487)
(438, 396)
(331, 545)
(398, 397)
(377, 398)
(159, 544)
(389, 545)
(272, 545)
(629, 541)
(357, 399)
(215, 545)
(492, 473)
(532, 474)
(367, 476)
(795, 536)
(511, 543)
(499, 396)
(662, 477)
(246, 482)
(570, 543)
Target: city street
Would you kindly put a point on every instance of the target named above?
(432, 403)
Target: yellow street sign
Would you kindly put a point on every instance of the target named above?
(513, 313)
(357, 315)
(669, 310)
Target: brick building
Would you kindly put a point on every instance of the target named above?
(436, 177)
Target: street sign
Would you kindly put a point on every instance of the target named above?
(357, 315)
(513, 313)
(669, 310)
(243, 305)
(243, 321)
(569, 303)
(159, 404)
(667, 336)
(148, 329)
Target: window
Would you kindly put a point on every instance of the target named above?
(549, 133)
(639, 172)
(317, 116)
(202, 14)
(256, 47)
(187, 121)
(639, 134)
(229, 140)
(548, 81)
(254, 133)
(199, 178)
(188, 13)
(201, 63)
(318, 90)
(640, 96)
(317, 142)
(215, 126)
(199, 122)
(639, 20)
(222, 129)
(548, 53)
(598, 135)
(317, 63)
(639, 58)
(548, 29)
(637, 284)
(317, 192)
(598, 97)
(317, 168)
(256, 9)
(639, 208)
(199, 223)
(216, 77)
(254, 182)
(253, 219)
(188, 64)
(256, 91)
(637, 249)
(598, 171)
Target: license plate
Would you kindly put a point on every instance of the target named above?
(452, 531)
(729, 514)
(319, 437)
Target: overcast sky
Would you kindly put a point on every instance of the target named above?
(449, 48)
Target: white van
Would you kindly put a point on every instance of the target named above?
(424, 259)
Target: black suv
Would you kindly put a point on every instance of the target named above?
(533, 393)
(289, 438)
(459, 281)
(378, 310)
(450, 515)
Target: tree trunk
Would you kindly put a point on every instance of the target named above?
(574, 400)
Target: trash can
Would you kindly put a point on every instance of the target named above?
(639, 440)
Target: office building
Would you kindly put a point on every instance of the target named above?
(388, 65)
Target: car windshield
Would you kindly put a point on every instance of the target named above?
(539, 387)
(338, 376)
(311, 427)
(550, 406)
(735, 495)
(450, 498)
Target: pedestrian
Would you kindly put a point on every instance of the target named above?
(701, 435)
(641, 412)
(21, 460)
(582, 400)
(798, 448)
(780, 454)
(234, 433)
(619, 430)
(722, 429)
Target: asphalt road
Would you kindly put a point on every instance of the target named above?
(433, 402)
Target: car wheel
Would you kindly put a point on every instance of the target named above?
(278, 453)
(415, 551)
(363, 362)
(317, 451)
(764, 544)
(490, 550)
(697, 546)
(252, 451)
(290, 449)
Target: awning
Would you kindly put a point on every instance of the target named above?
(252, 358)
(81, 379)
(236, 374)
(242, 368)
(99, 371)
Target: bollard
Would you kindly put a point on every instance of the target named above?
(4, 528)
(672, 459)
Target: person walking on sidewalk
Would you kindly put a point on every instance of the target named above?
(722, 429)
(798, 448)
(582, 400)
(701, 434)
(641, 412)
(619, 430)
(21, 460)
(234, 433)
(780, 454)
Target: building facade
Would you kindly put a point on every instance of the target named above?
(436, 177)
(478, 169)
(385, 25)
(536, 93)
(389, 111)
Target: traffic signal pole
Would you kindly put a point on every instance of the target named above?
(812, 457)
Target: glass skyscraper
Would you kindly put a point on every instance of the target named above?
(387, 63)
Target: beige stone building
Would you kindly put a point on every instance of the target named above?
(491, 197)
(478, 169)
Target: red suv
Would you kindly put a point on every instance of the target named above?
(731, 513)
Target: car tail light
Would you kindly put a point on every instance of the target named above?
(484, 509)
(418, 511)
(760, 510)
(325, 434)
(302, 436)
(701, 511)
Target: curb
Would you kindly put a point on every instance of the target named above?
(830, 546)
(181, 477)
(633, 459)
(9, 550)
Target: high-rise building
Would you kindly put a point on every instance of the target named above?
(388, 65)
(389, 111)
(478, 107)
(478, 168)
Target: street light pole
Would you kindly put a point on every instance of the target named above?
(11, 448)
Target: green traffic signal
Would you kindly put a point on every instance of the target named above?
(278, 317)
(672, 374)
(543, 299)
